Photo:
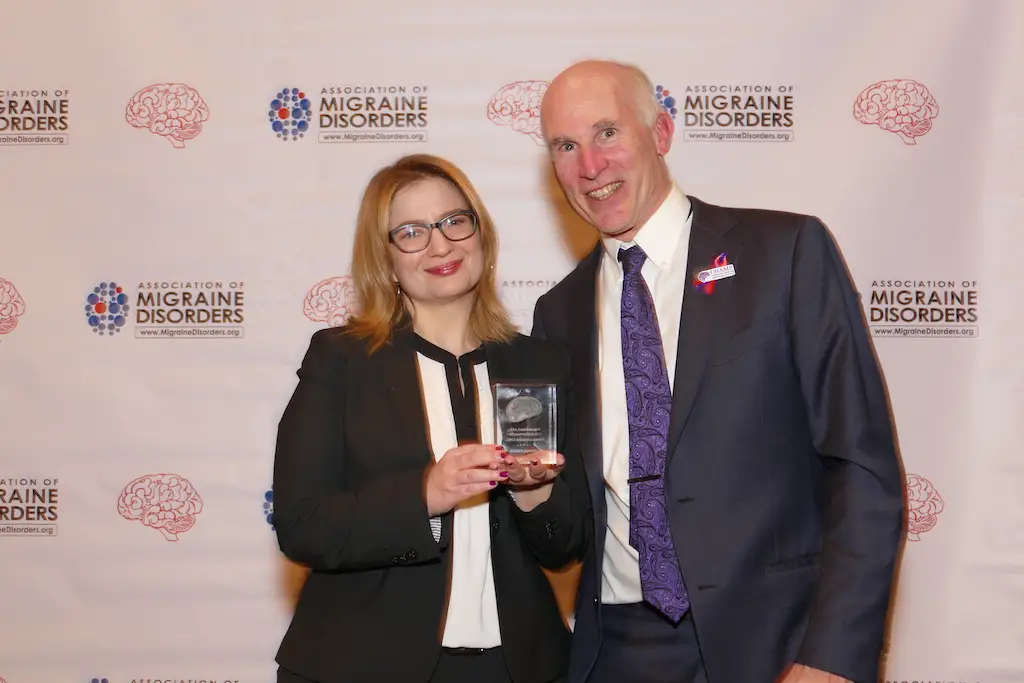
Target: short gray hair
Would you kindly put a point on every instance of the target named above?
(639, 86)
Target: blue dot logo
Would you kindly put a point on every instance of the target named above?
(99, 680)
(665, 99)
(268, 508)
(106, 309)
(290, 114)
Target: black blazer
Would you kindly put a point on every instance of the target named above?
(352, 447)
(783, 489)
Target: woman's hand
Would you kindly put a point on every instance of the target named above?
(462, 473)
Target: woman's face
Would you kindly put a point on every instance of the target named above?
(445, 270)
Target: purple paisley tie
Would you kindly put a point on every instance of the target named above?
(648, 405)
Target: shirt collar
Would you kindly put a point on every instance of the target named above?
(659, 237)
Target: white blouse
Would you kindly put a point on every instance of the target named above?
(472, 619)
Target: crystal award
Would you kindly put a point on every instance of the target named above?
(525, 418)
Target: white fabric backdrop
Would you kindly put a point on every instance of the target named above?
(905, 139)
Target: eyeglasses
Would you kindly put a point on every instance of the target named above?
(413, 237)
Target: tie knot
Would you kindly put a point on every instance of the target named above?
(632, 260)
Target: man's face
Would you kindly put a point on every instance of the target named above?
(606, 159)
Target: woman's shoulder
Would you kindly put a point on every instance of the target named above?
(335, 341)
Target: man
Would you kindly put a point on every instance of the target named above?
(747, 497)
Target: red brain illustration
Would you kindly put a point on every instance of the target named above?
(903, 107)
(518, 105)
(12, 306)
(165, 502)
(923, 506)
(331, 301)
(174, 110)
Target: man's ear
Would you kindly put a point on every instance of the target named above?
(664, 128)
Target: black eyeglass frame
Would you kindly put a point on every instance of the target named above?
(435, 226)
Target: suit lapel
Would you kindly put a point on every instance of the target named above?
(400, 373)
(701, 314)
(583, 339)
(398, 368)
(501, 367)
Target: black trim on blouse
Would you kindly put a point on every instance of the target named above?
(461, 385)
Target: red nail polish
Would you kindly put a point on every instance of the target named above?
(503, 474)
(494, 483)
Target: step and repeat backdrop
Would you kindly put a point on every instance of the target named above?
(180, 184)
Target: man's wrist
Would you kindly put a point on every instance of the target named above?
(527, 498)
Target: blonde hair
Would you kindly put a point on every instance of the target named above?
(381, 307)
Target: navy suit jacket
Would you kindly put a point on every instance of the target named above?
(783, 489)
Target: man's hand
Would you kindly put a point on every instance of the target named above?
(798, 673)
(531, 477)
(533, 469)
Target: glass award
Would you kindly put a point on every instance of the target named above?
(525, 418)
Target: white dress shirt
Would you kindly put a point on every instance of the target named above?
(665, 240)
(472, 619)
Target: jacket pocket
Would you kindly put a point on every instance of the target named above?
(758, 333)
(793, 563)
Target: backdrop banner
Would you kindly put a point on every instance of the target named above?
(180, 186)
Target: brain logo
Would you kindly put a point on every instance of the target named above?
(268, 508)
(290, 112)
(173, 110)
(12, 307)
(523, 408)
(331, 301)
(666, 100)
(902, 107)
(923, 506)
(106, 308)
(165, 502)
(518, 105)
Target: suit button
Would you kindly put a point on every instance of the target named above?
(494, 525)
(412, 554)
(394, 560)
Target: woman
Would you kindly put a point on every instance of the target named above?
(423, 536)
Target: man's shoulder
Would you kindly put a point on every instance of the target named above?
(771, 238)
(536, 352)
(579, 279)
(771, 221)
(526, 345)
